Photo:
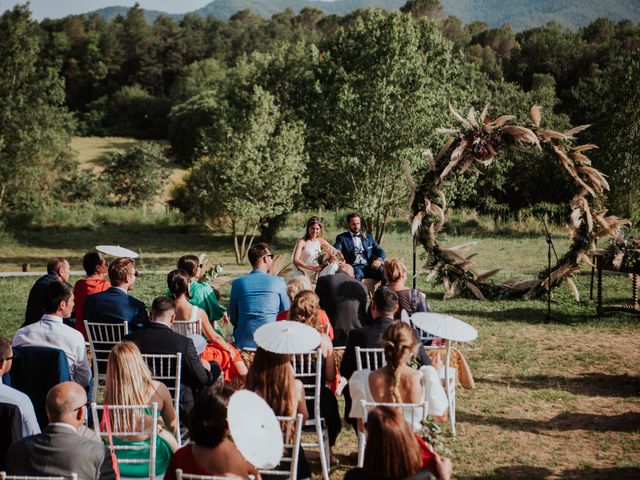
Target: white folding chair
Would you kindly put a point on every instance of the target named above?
(187, 327)
(292, 433)
(180, 475)
(4, 476)
(308, 368)
(370, 358)
(415, 412)
(102, 338)
(167, 368)
(145, 422)
(373, 358)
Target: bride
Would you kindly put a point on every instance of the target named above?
(313, 256)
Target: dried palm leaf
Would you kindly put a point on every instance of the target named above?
(447, 131)
(521, 134)
(485, 275)
(462, 247)
(574, 130)
(576, 218)
(417, 222)
(548, 134)
(431, 235)
(459, 117)
(596, 177)
(444, 150)
(455, 157)
(583, 148)
(572, 286)
(471, 118)
(583, 257)
(536, 115)
(475, 290)
(443, 199)
(453, 291)
(483, 115)
(617, 260)
(498, 122)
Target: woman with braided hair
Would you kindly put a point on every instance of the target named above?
(397, 382)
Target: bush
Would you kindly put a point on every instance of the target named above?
(136, 175)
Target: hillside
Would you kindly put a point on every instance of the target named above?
(520, 14)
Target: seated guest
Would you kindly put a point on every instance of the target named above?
(129, 382)
(257, 298)
(397, 382)
(115, 305)
(96, 267)
(217, 348)
(345, 301)
(157, 337)
(51, 332)
(294, 287)
(57, 269)
(60, 450)
(211, 451)
(15, 397)
(201, 295)
(392, 451)
(305, 309)
(409, 299)
(383, 307)
(271, 376)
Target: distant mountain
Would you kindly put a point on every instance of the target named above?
(109, 13)
(520, 14)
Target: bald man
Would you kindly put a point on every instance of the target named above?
(60, 450)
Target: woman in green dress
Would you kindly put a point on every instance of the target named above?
(201, 294)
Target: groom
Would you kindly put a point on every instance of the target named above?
(361, 250)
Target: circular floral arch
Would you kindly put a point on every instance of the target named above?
(474, 145)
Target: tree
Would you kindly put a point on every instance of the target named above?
(135, 175)
(254, 171)
(383, 87)
(423, 8)
(34, 124)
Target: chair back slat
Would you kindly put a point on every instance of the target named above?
(4, 476)
(187, 327)
(291, 436)
(102, 338)
(147, 426)
(180, 475)
(370, 358)
(167, 368)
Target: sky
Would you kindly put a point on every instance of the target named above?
(61, 8)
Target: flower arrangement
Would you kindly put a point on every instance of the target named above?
(324, 258)
(624, 254)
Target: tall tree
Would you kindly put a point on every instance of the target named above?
(34, 124)
(384, 86)
(253, 173)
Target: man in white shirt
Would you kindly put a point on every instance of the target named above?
(51, 332)
(15, 397)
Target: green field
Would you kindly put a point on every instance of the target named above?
(558, 400)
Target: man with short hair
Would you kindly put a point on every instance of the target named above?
(60, 450)
(51, 332)
(57, 269)
(345, 301)
(157, 337)
(15, 397)
(360, 250)
(115, 305)
(383, 308)
(257, 298)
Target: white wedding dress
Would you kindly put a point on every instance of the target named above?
(309, 255)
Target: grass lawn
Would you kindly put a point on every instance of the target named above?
(558, 400)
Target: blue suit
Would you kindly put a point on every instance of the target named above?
(256, 299)
(115, 306)
(371, 252)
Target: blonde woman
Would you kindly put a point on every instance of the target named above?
(129, 382)
(409, 299)
(299, 284)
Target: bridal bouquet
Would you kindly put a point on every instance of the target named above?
(325, 258)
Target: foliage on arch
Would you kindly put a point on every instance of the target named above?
(474, 145)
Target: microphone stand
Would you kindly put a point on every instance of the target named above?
(550, 247)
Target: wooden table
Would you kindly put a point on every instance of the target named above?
(602, 263)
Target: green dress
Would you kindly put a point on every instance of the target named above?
(163, 455)
(203, 296)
